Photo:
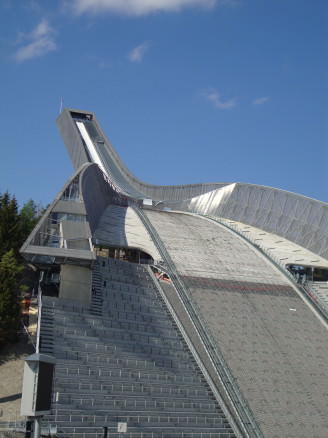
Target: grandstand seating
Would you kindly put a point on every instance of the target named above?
(122, 359)
(321, 290)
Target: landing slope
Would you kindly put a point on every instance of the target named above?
(275, 345)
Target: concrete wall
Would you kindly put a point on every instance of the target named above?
(69, 207)
(75, 283)
(72, 139)
(296, 218)
(121, 227)
(117, 171)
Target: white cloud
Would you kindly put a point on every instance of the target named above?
(218, 102)
(40, 42)
(261, 100)
(41, 30)
(136, 7)
(137, 54)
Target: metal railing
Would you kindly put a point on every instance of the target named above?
(306, 288)
(13, 425)
(28, 334)
(146, 404)
(244, 415)
(112, 433)
(119, 373)
(56, 241)
(177, 419)
(38, 327)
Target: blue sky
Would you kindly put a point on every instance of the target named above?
(186, 90)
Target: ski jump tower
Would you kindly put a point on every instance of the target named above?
(240, 270)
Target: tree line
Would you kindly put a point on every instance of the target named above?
(15, 226)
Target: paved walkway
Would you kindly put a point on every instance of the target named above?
(11, 372)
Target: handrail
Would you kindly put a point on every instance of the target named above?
(198, 419)
(57, 241)
(38, 328)
(245, 416)
(29, 335)
(306, 288)
(163, 433)
(20, 425)
(61, 237)
(13, 425)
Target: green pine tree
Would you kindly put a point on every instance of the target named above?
(28, 217)
(10, 232)
(15, 226)
(9, 308)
